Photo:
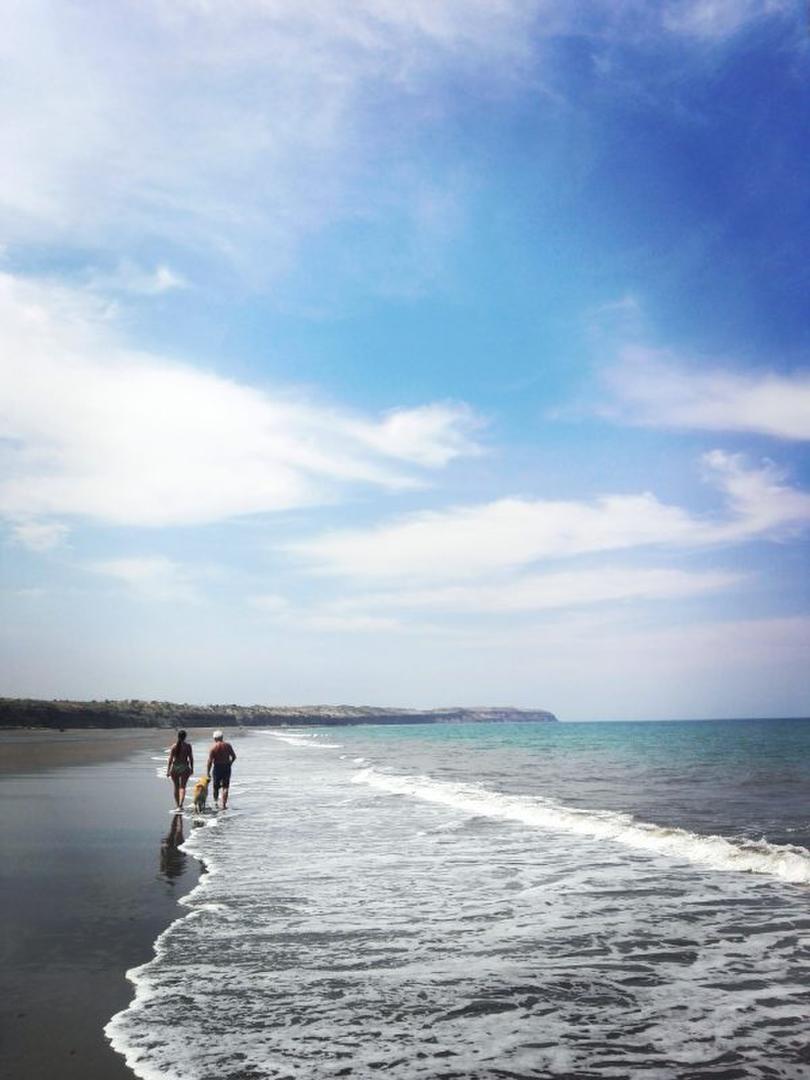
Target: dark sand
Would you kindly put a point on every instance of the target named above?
(89, 876)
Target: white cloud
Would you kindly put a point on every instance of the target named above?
(299, 617)
(35, 592)
(410, 611)
(238, 129)
(650, 389)
(234, 128)
(717, 19)
(539, 592)
(97, 430)
(430, 435)
(329, 622)
(465, 542)
(152, 577)
(761, 502)
(128, 277)
(39, 535)
(271, 603)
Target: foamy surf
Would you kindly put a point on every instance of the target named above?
(303, 738)
(145, 984)
(346, 932)
(790, 864)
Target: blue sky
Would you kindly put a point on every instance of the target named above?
(407, 353)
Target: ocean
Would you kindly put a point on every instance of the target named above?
(493, 900)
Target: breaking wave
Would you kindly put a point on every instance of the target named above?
(789, 863)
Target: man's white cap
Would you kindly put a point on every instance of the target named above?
(218, 735)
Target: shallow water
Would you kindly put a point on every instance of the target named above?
(493, 900)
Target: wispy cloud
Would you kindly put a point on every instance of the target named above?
(489, 538)
(320, 617)
(717, 19)
(542, 592)
(97, 430)
(39, 535)
(433, 611)
(342, 623)
(760, 501)
(152, 577)
(233, 129)
(651, 389)
(165, 122)
(129, 277)
(270, 603)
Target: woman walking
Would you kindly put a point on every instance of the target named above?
(180, 768)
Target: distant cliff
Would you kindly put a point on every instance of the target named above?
(30, 713)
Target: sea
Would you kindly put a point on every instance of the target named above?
(492, 900)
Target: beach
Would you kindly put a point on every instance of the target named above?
(88, 879)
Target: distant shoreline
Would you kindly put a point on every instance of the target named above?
(30, 713)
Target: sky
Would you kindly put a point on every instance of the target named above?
(407, 352)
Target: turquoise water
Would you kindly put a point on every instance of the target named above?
(481, 901)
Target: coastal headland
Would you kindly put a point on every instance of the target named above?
(60, 714)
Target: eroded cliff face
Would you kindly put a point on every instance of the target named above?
(27, 712)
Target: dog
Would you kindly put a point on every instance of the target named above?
(201, 793)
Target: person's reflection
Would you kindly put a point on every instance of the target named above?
(172, 859)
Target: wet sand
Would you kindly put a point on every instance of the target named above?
(90, 874)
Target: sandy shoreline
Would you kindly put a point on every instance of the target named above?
(34, 749)
(90, 875)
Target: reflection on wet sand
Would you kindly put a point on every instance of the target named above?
(172, 859)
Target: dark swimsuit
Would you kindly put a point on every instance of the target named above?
(222, 769)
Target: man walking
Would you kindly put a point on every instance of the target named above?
(220, 758)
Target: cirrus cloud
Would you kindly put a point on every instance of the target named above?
(231, 129)
(163, 121)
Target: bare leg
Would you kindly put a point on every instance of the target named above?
(181, 797)
(176, 782)
(224, 796)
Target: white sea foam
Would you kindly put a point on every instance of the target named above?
(402, 925)
(304, 738)
(789, 863)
